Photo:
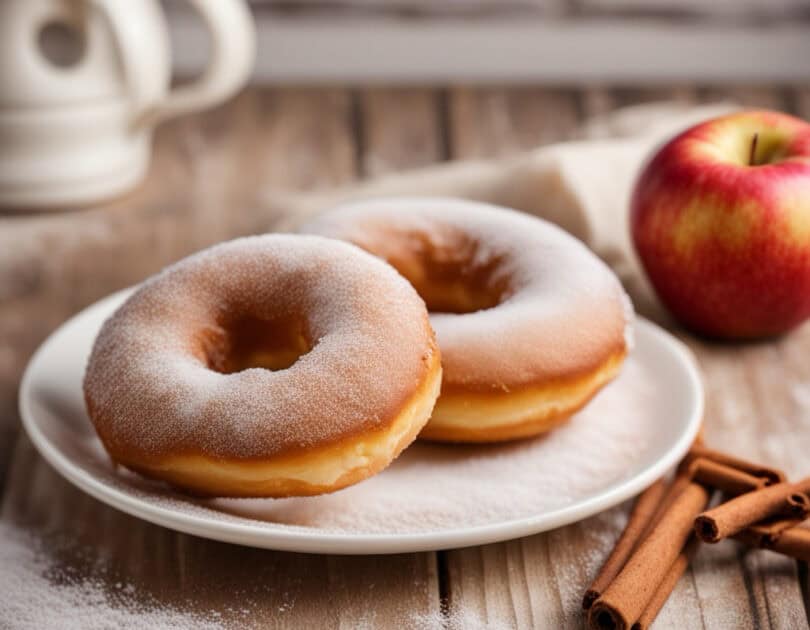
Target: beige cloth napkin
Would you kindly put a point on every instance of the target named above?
(584, 186)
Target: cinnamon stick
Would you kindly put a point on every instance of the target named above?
(709, 473)
(666, 587)
(773, 475)
(624, 601)
(733, 516)
(655, 501)
(794, 542)
(679, 483)
(723, 477)
(642, 513)
(768, 532)
(798, 504)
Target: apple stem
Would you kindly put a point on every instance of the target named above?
(752, 155)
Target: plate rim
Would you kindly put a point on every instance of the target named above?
(368, 543)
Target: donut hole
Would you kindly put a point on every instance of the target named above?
(251, 342)
(450, 272)
(456, 288)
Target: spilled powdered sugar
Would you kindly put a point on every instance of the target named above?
(38, 592)
(461, 619)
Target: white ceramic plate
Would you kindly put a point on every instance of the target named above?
(432, 497)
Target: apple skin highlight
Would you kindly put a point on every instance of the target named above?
(726, 244)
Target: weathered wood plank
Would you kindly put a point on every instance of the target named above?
(599, 100)
(799, 99)
(207, 170)
(303, 138)
(489, 122)
(755, 96)
(238, 587)
(598, 104)
(400, 129)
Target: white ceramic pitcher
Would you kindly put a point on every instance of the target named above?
(84, 82)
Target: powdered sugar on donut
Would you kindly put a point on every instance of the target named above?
(435, 488)
(432, 487)
(149, 388)
(563, 312)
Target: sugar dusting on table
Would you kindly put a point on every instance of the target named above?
(38, 592)
(434, 487)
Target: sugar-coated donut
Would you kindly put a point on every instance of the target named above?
(530, 323)
(276, 365)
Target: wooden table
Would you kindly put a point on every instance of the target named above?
(203, 188)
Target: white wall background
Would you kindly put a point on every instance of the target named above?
(554, 41)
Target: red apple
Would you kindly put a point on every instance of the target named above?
(720, 218)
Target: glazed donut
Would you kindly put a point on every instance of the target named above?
(530, 323)
(268, 366)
